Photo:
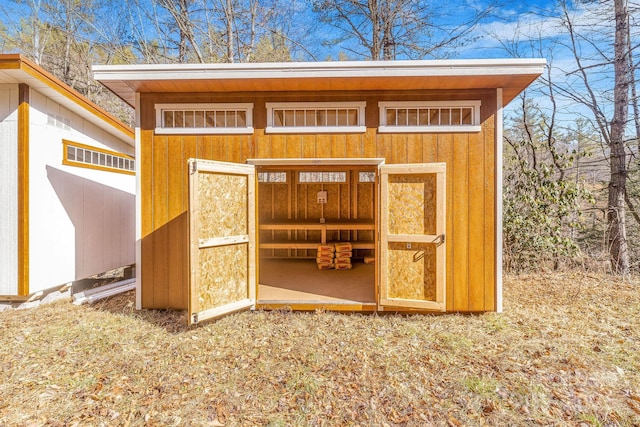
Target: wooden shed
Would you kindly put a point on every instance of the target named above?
(356, 186)
(67, 184)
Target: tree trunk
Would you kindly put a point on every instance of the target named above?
(183, 14)
(388, 48)
(616, 218)
(374, 8)
(229, 19)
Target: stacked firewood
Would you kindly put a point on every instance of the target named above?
(325, 257)
(343, 254)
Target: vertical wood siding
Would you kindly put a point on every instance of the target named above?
(470, 185)
(23, 188)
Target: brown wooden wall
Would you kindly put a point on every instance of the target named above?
(295, 200)
(470, 159)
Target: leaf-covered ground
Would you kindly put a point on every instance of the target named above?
(566, 351)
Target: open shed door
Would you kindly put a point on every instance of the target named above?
(412, 240)
(222, 238)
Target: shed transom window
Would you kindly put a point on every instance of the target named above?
(330, 117)
(271, 177)
(327, 177)
(452, 116)
(367, 177)
(76, 154)
(204, 118)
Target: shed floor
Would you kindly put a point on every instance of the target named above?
(299, 280)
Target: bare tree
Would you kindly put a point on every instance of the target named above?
(179, 11)
(389, 29)
(210, 30)
(612, 131)
(31, 39)
(618, 185)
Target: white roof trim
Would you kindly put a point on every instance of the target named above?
(48, 89)
(325, 161)
(427, 68)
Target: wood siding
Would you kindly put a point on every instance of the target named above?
(470, 192)
(23, 188)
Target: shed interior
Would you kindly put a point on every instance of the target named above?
(303, 207)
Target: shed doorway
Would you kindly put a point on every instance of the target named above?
(317, 225)
(225, 235)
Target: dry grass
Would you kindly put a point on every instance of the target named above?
(565, 352)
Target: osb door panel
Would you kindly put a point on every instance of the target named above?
(412, 240)
(222, 237)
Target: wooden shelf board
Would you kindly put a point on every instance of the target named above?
(311, 244)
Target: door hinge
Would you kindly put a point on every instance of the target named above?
(194, 167)
(194, 318)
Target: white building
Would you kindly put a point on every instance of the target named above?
(67, 183)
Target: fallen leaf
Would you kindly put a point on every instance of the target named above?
(453, 421)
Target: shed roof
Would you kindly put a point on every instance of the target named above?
(512, 75)
(15, 68)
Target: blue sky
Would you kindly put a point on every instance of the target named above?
(516, 24)
(314, 35)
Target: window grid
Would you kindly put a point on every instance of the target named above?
(309, 117)
(204, 118)
(430, 116)
(438, 116)
(272, 177)
(91, 157)
(326, 177)
(315, 117)
(366, 177)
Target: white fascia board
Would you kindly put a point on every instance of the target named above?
(499, 123)
(459, 67)
(325, 161)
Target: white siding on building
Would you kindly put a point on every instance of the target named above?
(81, 220)
(8, 189)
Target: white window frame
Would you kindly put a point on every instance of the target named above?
(96, 158)
(359, 128)
(246, 107)
(473, 127)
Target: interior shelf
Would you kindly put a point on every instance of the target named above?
(323, 227)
